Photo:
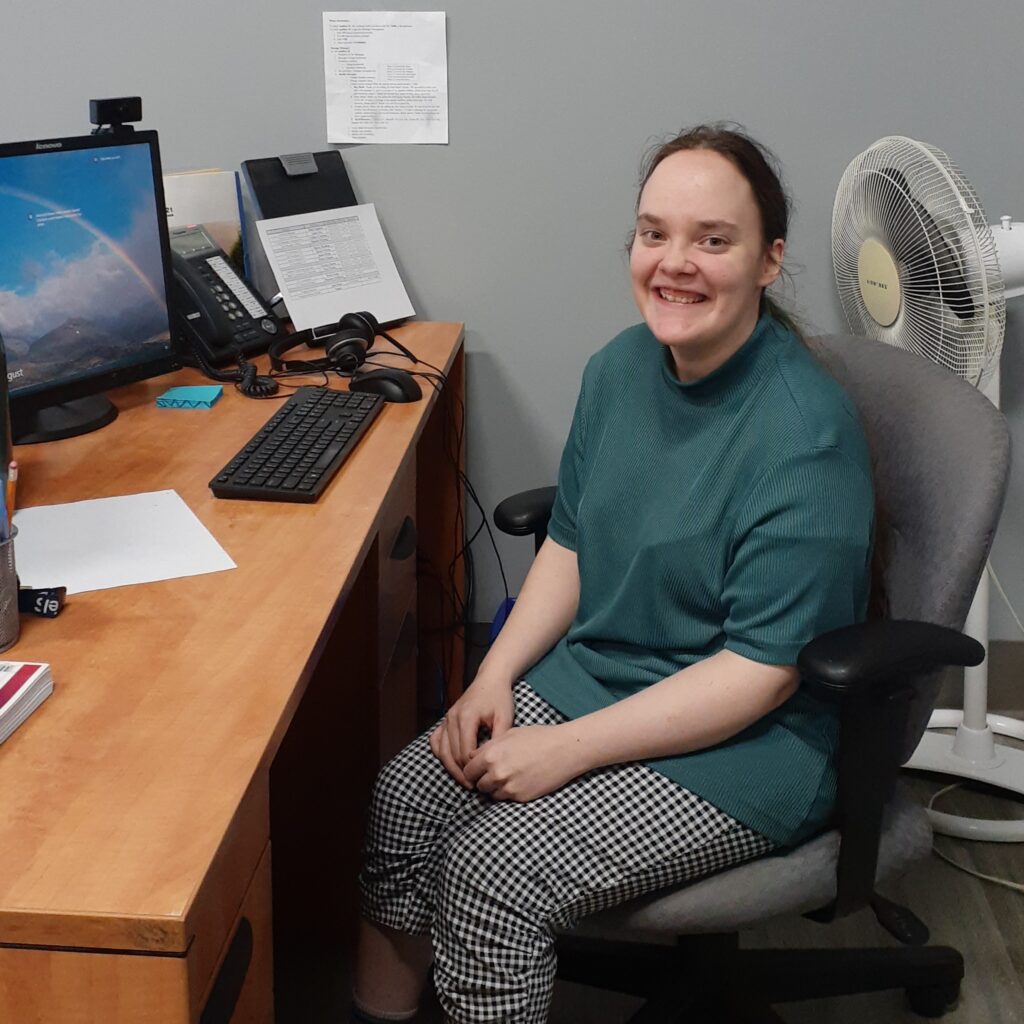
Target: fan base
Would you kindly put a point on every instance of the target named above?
(973, 754)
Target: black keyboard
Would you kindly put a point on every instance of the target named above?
(296, 453)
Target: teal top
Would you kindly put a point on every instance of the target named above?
(735, 512)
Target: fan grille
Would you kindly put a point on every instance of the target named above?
(909, 197)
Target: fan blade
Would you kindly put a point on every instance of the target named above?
(931, 264)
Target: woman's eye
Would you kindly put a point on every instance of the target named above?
(651, 235)
(716, 242)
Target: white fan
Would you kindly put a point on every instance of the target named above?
(918, 266)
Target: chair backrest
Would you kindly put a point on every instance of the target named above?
(941, 454)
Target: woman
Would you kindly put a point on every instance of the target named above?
(639, 721)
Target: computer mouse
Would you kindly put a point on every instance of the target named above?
(391, 383)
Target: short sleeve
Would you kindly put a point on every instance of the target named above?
(562, 526)
(800, 559)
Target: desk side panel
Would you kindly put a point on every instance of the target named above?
(214, 911)
(244, 973)
(440, 518)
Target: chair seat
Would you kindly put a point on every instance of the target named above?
(794, 881)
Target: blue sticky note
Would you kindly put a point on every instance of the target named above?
(201, 396)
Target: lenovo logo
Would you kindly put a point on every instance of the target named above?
(49, 145)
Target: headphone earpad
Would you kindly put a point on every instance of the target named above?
(346, 350)
(366, 323)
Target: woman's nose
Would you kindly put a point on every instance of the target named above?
(677, 259)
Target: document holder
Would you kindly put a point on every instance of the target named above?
(282, 186)
(298, 183)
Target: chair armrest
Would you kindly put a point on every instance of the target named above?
(856, 660)
(525, 513)
(872, 669)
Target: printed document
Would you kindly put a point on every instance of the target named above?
(387, 76)
(334, 262)
(113, 542)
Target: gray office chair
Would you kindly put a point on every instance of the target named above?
(941, 454)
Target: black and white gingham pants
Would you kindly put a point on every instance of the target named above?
(490, 880)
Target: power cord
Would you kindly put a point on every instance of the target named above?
(453, 425)
(1002, 593)
(1004, 882)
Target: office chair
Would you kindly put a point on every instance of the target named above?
(941, 454)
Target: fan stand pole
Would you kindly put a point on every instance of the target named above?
(971, 752)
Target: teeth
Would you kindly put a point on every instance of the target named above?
(683, 300)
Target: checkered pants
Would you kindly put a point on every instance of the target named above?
(491, 880)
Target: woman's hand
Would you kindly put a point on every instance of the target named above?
(524, 763)
(487, 704)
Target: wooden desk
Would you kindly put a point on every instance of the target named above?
(196, 723)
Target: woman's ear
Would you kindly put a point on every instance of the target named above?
(772, 262)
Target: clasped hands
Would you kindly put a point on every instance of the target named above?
(514, 763)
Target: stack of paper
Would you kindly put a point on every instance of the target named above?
(24, 685)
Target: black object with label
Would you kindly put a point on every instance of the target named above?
(282, 186)
(294, 456)
(215, 308)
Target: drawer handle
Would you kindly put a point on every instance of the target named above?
(227, 987)
(405, 542)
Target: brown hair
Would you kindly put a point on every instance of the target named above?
(758, 165)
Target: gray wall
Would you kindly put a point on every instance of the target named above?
(517, 226)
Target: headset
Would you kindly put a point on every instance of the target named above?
(345, 346)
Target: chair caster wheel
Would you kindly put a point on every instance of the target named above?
(933, 1000)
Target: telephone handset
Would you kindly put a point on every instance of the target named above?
(217, 310)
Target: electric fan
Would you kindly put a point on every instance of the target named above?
(918, 266)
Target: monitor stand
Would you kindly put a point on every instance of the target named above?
(67, 419)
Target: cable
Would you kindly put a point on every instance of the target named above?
(245, 378)
(253, 384)
(1002, 594)
(1005, 882)
(453, 426)
(401, 348)
(490, 536)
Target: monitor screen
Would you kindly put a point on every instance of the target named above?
(83, 267)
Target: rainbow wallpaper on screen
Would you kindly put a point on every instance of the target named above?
(81, 274)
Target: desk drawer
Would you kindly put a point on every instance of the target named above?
(397, 561)
(55, 986)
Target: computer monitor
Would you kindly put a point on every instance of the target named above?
(84, 277)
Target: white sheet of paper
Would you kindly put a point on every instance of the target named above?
(333, 262)
(387, 76)
(114, 542)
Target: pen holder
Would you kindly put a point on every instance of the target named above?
(8, 593)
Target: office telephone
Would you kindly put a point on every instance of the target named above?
(215, 308)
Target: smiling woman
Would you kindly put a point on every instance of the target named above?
(712, 220)
(698, 279)
(639, 720)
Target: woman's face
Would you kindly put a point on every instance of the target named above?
(699, 260)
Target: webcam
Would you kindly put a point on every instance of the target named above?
(111, 116)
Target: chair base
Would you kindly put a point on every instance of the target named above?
(710, 976)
